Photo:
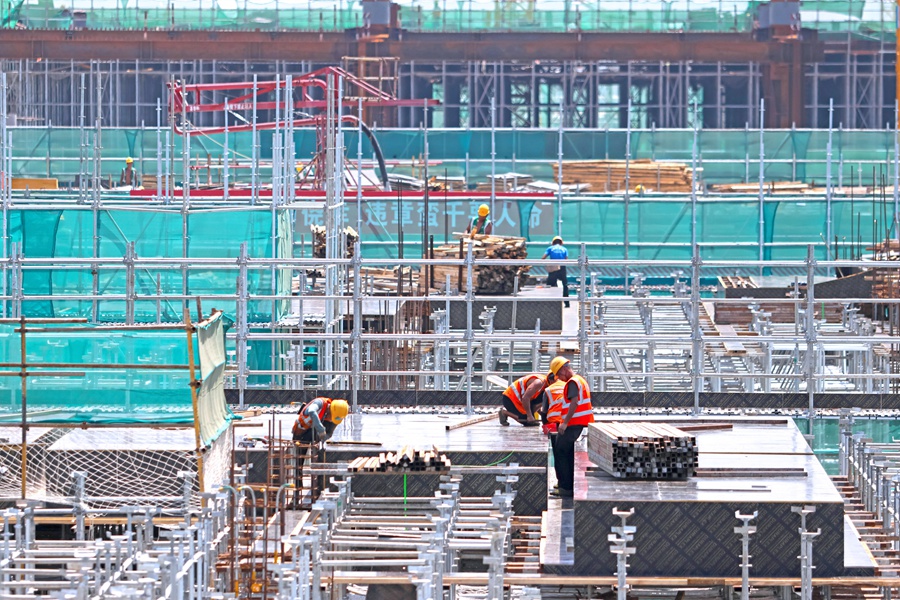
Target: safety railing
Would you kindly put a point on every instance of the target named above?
(624, 333)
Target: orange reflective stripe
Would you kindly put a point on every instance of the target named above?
(516, 391)
(556, 397)
(304, 421)
(584, 410)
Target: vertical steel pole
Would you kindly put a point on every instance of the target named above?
(225, 157)
(7, 175)
(762, 176)
(470, 298)
(694, 183)
(896, 165)
(357, 323)
(696, 332)
(559, 174)
(95, 203)
(828, 186)
(811, 341)
(254, 149)
(159, 150)
(493, 152)
(359, 154)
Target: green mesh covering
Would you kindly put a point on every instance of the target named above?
(464, 15)
(121, 392)
(827, 434)
(99, 395)
(727, 156)
(156, 234)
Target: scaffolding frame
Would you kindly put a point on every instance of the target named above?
(594, 94)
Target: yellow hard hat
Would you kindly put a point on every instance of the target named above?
(129, 160)
(554, 240)
(484, 210)
(339, 410)
(557, 363)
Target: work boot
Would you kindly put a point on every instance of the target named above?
(504, 420)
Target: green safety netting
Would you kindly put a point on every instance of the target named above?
(726, 156)
(840, 16)
(827, 436)
(727, 229)
(155, 234)
(114, 394)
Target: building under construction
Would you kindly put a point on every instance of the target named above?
(215, 213)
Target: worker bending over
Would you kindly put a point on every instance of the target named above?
(575, 412)
(522, 398)
(318, 419)
(481, 225)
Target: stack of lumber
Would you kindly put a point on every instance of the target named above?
(406, 460)
(777, 312)
(736, 282)
(609, 175)
(642, 450)
(486, 278)
(318, 233)
(770, 187)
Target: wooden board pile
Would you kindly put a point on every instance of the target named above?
(406, 460)
(609, 175)
(769, 187)
(642, 450)
(486, 278)
(318, 233)
(777, 312)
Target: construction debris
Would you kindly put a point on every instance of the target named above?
(642, 450)
(406, 460)
(487, 279)
(643, 174)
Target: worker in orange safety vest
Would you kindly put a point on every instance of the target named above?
(575, 412)
(521, 399)
(318, 419)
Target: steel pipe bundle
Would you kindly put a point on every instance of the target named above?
(642, 450)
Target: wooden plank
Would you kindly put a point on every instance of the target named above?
(472, 421)
(730, 347)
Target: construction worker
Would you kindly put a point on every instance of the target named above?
(521, 399)
(551, 416)
(481, 225)
(318, 419)
(577, 413)
(555, 273)
(128, 176)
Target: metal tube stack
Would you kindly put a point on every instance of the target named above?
(642, 450)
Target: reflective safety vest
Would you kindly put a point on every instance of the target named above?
(479, 230)
(516, 391)
(584, 411)
(304, 421)
(555, 399)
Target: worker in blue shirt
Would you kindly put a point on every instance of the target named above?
(556, 251)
